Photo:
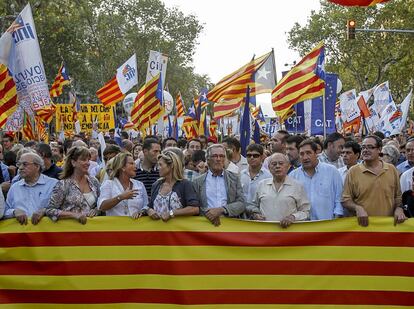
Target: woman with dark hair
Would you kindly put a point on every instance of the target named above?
(172, 195)
(76, 194)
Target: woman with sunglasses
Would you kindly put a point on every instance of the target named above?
(172, 195)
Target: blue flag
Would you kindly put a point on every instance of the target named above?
(296, 123)
(256, 133)
(331, 81)
(245, 125)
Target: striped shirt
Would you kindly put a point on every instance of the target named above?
(147, 178)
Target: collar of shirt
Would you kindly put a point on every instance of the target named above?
(316, 169)
(212, 175)
(288, 182)
(247, 173)
(40, 181)
(364, 168)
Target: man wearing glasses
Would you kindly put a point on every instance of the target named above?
(219, 191)
(280, 198)
(251, 176)
(29, 196)
(372, 188)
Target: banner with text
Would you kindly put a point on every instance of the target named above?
(88, 114)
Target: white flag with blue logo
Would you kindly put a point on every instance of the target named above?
(20, 52)
(127, 74)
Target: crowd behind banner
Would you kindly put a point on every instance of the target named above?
(287, 178)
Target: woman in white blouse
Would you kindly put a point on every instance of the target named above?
(122, 195)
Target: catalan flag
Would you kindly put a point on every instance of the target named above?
(42, 129)
(46, 114)
(303, 82)
(189, 263)
(357, 2)
(258, 115)
(147, 107)
(226, 108)
(61, 79)
(213, 128)
(8, 95)
(115, 90)
(203, 126)
(110, 93)
(259, 74)
(28, 130)
(179, 105)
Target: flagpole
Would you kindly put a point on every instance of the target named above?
(324, 114)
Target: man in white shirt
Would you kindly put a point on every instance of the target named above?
(255, 173)
(280, 198)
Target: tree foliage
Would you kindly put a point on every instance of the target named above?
(94, 37)
(371, 58)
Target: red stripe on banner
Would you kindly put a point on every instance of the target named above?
(296, 87)
(194, 297)
(293, 101)
(170, 238)
(216, 267)
(107, 86)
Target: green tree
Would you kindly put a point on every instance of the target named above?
(371, 58)
(94, 37)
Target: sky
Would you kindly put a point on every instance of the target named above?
(234, 31)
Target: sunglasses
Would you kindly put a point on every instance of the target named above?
(253, 155)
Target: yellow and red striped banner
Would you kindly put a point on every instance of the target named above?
(8, 95)
(110, 93)
(188, 262)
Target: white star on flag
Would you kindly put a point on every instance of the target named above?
(262, 73)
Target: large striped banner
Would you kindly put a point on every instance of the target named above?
(186, 262)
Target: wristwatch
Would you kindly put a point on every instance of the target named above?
(171, 213)
(118, 198)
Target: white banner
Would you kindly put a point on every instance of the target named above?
(19, 50)
(157, 62)
(127, 74)
(405, 108)
(382, 97)
(349, 106)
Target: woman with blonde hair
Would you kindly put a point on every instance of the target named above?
(172, 195)
(121, 195)
(76, 194)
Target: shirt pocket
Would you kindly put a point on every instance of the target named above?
(323, 188)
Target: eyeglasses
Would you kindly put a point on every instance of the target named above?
(369, 147)
(253, 155)
(217, 156)
(24, 164)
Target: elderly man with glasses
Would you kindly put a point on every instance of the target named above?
(280, 198)
(219, 191)
(372, 188)
(29, 196)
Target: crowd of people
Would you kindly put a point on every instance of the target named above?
(287, 178)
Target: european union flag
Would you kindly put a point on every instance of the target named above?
(245, 125)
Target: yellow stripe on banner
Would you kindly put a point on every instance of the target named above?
(171, 306)
(212, 282)
(207, 253)
(201, 224)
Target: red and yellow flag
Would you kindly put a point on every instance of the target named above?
(8, 95)
(189, 263)
(46, 114)
(61, 79)
(357, 2)
(302, 82)
(226, 108)
(147, 107)
(110, 93)
(179, 105)
(28, 130)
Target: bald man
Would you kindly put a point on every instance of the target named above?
(280, 198)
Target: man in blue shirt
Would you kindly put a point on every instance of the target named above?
(29, 196)
(322, 182)
(409, 151)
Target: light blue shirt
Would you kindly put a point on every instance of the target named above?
(216, 190)
(5, 171)
(324, 190)
(29, 198)
(250, 185)
(404, 166)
